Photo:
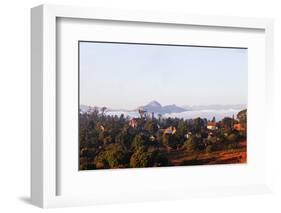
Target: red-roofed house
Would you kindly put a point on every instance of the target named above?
(239, 127)
(211, 125)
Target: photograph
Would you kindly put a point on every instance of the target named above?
(161, 105)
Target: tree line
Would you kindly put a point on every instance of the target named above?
(121, 142)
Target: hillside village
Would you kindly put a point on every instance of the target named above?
(150, 140)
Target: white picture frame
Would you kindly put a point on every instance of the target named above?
(44, 84)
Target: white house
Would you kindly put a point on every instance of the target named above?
(212, 126)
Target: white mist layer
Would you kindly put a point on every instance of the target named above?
(208, 114)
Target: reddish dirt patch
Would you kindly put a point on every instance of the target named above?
(180, 158)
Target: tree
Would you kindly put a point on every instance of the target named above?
(141, 158)
(194, 143)
(159, 117)
(161, 160)
(103, 110)
(214, 147)
(113, 157)
(242, 117)
(140, 141)
(232, 138)
(142, 112)
(151, 126)
(227, 122)
(94, 112)
(182, 127)
(198, 124)
(169, 141)
(190, 144)
(209, 148)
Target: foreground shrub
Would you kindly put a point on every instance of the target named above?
(113, 157)
(141, 158)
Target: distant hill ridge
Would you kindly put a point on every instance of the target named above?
(156, 107)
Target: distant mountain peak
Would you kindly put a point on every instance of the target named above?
(156, 107)
(154, 104)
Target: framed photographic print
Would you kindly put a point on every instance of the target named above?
(121, 128)
(130, 106)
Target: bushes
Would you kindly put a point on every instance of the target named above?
(209, 148)
(141, 154)
(151, 126)
(217, 146)
(232, 138)
(232, 141)
(113, 157)
(161, 160)
(141, 158)
(232, 146)
(193, 144)
(138, 142)
(144, 158)
(169, 141)
(84, 164)
(190, 145)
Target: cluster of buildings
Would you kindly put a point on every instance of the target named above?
(237, 127)
(134, 123)
(212, 126)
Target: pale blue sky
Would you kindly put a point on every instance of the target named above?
(130, 75)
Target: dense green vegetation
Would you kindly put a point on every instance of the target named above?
(118, 142)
